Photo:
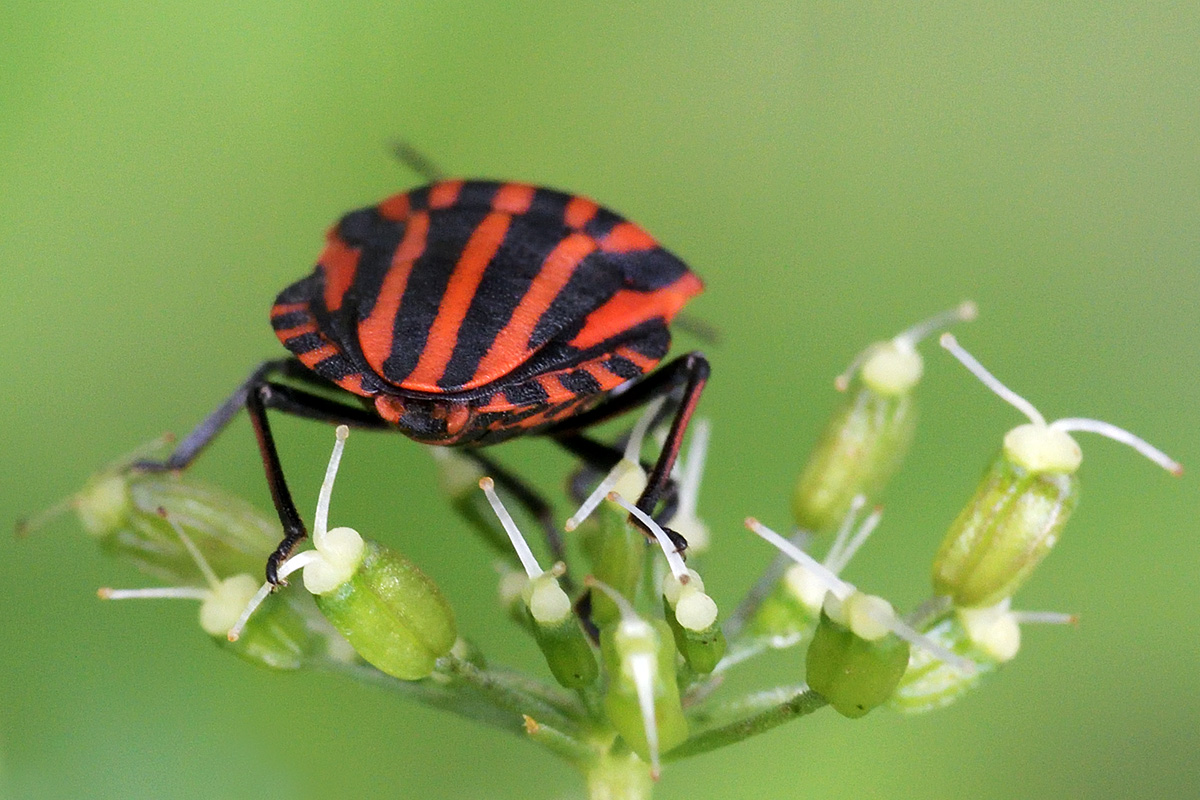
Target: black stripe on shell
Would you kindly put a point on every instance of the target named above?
(449, 232)
(505, 282)
(580, 382)
(621, 367)
(593, 282)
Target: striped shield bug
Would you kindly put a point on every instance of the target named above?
(464, 313)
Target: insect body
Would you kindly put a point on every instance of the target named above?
(469, 312)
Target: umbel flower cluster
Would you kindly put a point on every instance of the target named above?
(635, 650)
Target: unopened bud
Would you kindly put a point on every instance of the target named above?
(393, 616)
(869, 435)
(988, 637)
(692, 616)
(1022, 504)
(550, 612)
(279, 638)
(126, 512)
(642, 698)
(855, 664)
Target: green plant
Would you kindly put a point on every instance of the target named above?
(639, 653)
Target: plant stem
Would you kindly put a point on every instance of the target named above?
(619, 776)
(518, 694)
(803, 701)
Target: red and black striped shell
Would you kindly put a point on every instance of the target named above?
(472, 311)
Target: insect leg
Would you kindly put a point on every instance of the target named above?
(689, 371)
(257, 394)
(308, 406)
(190, 448)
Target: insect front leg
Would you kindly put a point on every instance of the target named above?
(256, 394)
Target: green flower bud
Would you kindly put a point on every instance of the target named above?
(692, 617)
(988, 637)
(391, 613)
(1003, 533)
(278, 638)
(853, 661)
(616, 551)
(853, 657)
(869, 435)
(393, 616)
(642, 697)
(127, 514)
(551, 615)
(1022, 504)
(790, 611)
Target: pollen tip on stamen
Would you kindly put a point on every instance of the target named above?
(487, 484)
(751, 523)
(342, 432)
(531, 724)
(968, 310)
(841, 383)
(104, 592)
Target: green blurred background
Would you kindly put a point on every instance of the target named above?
(834, 171)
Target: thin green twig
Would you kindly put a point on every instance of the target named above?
(799, 701)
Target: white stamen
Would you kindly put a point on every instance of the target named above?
(633, 448)
(629, 463)
(674, 560)
(1120, 435)
(205, 569)
(832, 582)
(532, 569)
(236, 631)
(989, 380)
(321, 521)
(1045, 618)
(601, 491)
(917, 639)
(642, 667)
(296, 562)
(842, 382)
(864, 532)
(174, 592)
(839, 541)
(965, 311)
